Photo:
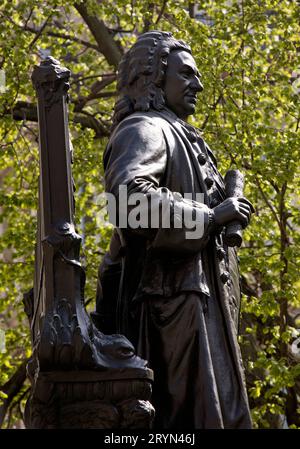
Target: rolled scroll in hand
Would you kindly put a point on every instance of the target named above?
(234, 187)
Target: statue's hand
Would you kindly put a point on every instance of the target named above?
(233, 209)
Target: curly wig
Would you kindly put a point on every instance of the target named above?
(141, 74)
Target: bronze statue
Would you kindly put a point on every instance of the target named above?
(175, 296)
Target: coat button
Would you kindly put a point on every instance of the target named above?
(209, 182)
(201, 158)
(225, 277)
(221, 254)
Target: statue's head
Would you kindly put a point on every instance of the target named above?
(157, 71)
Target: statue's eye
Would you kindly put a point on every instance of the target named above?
(185, 74)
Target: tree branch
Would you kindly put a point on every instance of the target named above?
(28, 111)
(42, 30)
(105, 41)
(268, 203)
(38, 33)
(12, 388)
(220, 97)
(149, 18)
(192, 10)
(87, 121)
(62, 36)
(161, 11)
(96, 88)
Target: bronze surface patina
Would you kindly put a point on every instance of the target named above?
(175, 297)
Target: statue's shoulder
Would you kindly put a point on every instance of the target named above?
(142, 125)
(144, 119)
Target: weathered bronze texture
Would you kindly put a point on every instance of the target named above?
(176, 298)
(80, 377)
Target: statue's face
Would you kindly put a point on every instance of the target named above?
(182, 83)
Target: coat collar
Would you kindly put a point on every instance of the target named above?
(193, 134)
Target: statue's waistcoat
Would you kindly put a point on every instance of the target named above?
(190, 168)
(155, 150)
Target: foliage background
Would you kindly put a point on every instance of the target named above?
(248, 54)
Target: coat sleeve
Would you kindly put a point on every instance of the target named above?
(135, 163)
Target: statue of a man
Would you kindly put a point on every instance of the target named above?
(176, 295)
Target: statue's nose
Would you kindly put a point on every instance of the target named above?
(196, 85)
(199, 85)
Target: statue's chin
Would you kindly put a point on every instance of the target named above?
(190, 108)
(185, 111)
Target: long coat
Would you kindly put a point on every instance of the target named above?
(176, 298)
